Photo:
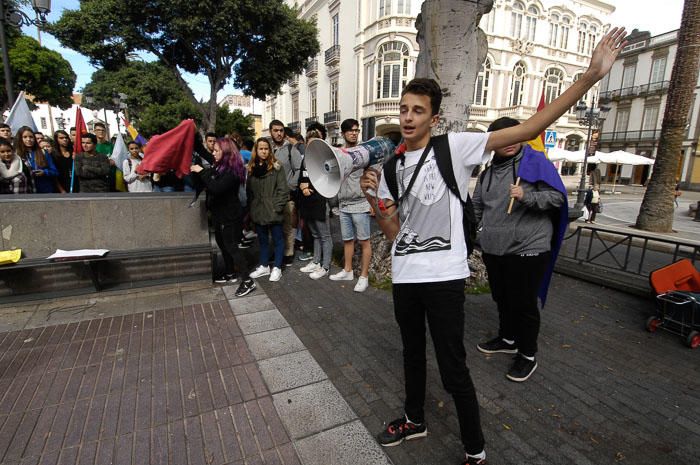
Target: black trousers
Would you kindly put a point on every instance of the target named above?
(228, 236)
(443, 305)
(515, 281)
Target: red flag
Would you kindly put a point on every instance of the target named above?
(80, 129)
(172, 150)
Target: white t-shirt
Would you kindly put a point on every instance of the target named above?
(430, 244)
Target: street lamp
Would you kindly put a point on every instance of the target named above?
(119, 100)
(592, 118)
(12, 16)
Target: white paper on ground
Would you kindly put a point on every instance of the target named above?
(75, 254)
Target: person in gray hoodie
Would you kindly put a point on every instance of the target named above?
(516, 251)
(290, 159)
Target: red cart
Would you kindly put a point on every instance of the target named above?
(677, 290)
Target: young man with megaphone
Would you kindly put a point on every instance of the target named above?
(429, 254)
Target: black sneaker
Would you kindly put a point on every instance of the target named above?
(474, 461)
(400, 429)
(522, 369)
(246, 288)
(288, 260)
(226, 279)
(497, 346)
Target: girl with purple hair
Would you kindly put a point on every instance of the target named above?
(222, 182)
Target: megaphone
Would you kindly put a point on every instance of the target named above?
(329, 166)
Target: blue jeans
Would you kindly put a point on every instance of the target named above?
(323, 245)
(263, 232)
(163, 189)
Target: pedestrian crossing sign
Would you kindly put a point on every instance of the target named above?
(550, 139)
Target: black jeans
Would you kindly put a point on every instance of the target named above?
(228, 236)
(515, 281)
(443, 304)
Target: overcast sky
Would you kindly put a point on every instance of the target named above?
(631, 14)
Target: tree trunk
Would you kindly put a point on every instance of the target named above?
(452, 50)
(656, 212)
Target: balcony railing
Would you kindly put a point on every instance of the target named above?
(294, 82)
(312, 68)
(635, 91)
(295, 126)
(386, 108)
(331, 117)
(631, 136)
(308, 121)
(333, 55)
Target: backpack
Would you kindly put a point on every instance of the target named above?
(443, 157)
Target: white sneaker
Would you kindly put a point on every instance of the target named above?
(310, 267)
(342, 275)
(260, 271)
(276, 274)
(362, 284)
(319, 273)
(249, 234)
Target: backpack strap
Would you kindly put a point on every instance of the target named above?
(389, 173)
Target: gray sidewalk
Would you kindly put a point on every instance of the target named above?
(606, 391)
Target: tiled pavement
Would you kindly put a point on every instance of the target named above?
(201, 379)
(606, 391)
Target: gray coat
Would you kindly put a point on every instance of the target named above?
(267, 196)
(528, 229)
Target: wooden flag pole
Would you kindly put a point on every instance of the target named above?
(512, 199)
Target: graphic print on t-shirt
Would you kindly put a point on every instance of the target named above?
(425, 218)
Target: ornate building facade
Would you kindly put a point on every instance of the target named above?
(369, 51)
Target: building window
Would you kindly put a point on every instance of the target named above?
(553, 30)
(628, 76)
(658, 69)
(384, 8)
(621, 120)
(531, 23)
(295, 107)
(392, 69)
(592, 39)
(334, 96)
(553, 79)
(481, 90)
(517, 84)
(43, 122)
(313, 103)
(564, 32)
(404, 7)
(582, 28)
(651, 116)
(586, 98)
(336, 29)
(516, 19)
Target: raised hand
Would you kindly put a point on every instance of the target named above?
(606, 52)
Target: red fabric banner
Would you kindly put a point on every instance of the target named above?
(171, 150)
(80, 129)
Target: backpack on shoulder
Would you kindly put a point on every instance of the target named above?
(443, 157)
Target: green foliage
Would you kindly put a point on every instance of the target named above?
(261, 41)
(38, 71)
(155, 99)
(228, 122)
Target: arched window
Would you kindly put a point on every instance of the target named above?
(592, 39)
(564, 32)
(516, 19)
(392, 69)
(481, 89)
(553, 30)
(531, 23)
(517, 84)
(553, 79)
(582, 28)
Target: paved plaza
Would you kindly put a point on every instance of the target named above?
(305, 372)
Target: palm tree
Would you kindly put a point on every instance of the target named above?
(452, 50)
(656, 212)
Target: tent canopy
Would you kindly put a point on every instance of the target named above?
(619, 157)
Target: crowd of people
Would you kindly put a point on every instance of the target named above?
(266, 193)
